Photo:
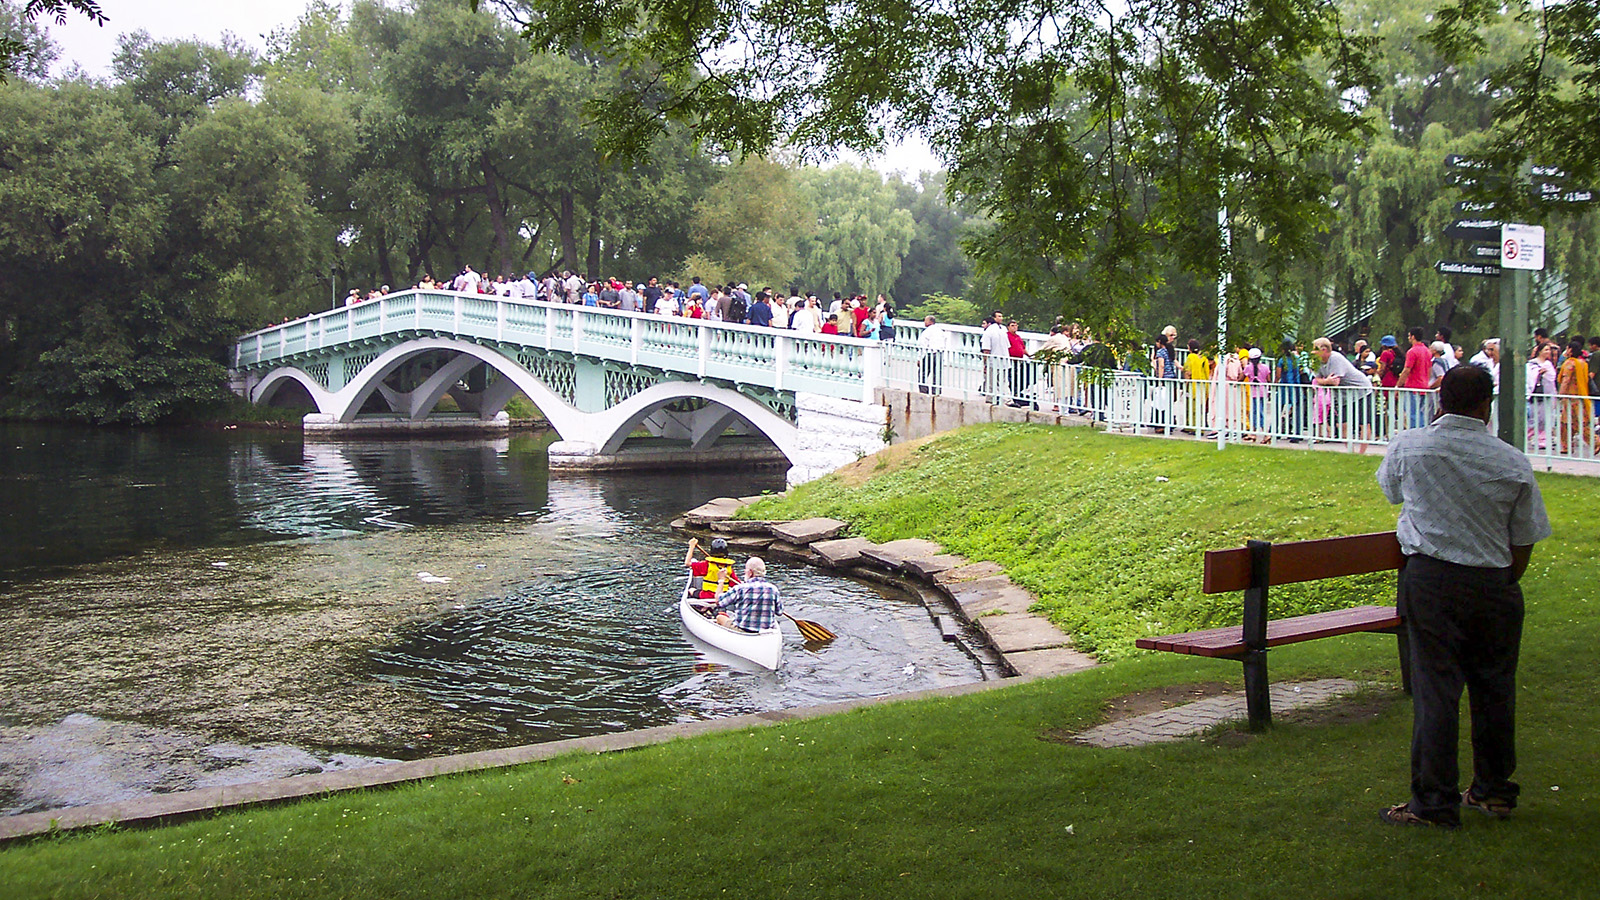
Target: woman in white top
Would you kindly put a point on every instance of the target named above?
(1541, 390)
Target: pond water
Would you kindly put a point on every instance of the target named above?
(170, 597)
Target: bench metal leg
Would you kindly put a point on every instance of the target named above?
(1257, 699)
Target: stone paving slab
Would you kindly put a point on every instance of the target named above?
(718, 510)
(1014, 632)
(840, 552)
(929, 566)
(808, 531)
(988, 594)
(795, 551)
(895, 553)
(756, 527)
(968, 572)
(1194, 718)
(1051, 661)
(748, 543)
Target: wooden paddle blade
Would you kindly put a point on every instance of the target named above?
(811, 631)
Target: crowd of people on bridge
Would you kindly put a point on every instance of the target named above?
(806, 313)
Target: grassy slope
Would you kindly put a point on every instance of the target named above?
(1084, 520)
(961, 797)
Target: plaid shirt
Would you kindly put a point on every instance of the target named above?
(1469, 497)
(754, 604)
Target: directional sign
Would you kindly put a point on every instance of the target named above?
(1486, 251)
(1448, 267)
(1473, 208)
(1546, 172)
(1457, 161)
(1559, 193)
(1522, 246)
(1484, 230)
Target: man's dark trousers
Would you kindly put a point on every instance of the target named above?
(1465, 628)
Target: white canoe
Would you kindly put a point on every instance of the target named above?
(760, 647)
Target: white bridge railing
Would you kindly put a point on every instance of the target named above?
(847, 368)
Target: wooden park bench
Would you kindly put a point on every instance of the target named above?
(1259, 565)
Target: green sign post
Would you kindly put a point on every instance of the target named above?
(1515, 285)
(1521, 254)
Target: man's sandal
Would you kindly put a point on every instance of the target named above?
(1402, 815)
(1500, 809)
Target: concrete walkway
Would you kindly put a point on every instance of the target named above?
(1192, 719)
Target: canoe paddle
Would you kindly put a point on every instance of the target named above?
(811, 631)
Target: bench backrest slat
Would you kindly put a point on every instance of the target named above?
(1296, 561)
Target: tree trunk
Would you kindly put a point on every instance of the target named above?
(385, 267)
(594, 247)
(497, 217)
(569, 237)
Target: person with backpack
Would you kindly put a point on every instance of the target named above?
(1293, 398)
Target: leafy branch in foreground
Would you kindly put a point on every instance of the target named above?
(1549, 109)
(14, 48)
(1098, 143)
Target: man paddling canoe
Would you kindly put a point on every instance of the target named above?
(753, 605)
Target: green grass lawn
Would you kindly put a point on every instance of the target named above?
(966, 797)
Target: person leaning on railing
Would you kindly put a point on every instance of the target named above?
(1351, 408)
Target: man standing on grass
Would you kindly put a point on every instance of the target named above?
(1472, 514)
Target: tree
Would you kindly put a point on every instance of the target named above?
(745, 227)
(861, 233)
(934, 262)
(1079, 131)
(23, 48)
(1394, 196)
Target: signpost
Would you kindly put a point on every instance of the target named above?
(1451, 267)
(1517, 249)
(1482, 230)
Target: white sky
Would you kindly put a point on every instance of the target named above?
(91, 47)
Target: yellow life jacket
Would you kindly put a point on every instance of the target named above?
(714, 568)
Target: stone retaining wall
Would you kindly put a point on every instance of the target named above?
(978, 595)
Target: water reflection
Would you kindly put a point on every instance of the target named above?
(265, 589)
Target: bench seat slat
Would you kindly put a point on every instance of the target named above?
(1229, 641)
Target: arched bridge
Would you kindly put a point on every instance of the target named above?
(597, 375)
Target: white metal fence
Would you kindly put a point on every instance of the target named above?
(1560, 427)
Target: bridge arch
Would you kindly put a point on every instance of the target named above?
(348, 401)
(610, 428)
(276, 379)
(602, 432)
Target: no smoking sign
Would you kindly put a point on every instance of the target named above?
(1521, 246)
